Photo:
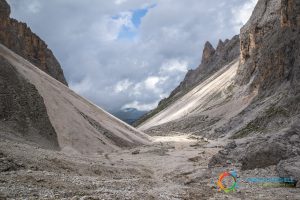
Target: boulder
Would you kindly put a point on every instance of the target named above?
(290, 168)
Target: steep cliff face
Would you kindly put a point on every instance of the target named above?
(270, 47)
(212, 61)
(19, 38)
(270, 65)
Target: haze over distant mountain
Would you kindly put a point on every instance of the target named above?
(129, 115)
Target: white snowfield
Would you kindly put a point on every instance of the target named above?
(81, 126)
(198, 99)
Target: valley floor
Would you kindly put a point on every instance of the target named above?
(174, 167)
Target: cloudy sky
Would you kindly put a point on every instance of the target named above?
(130, 53)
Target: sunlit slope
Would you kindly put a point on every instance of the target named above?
(81, 126)
(196, 100)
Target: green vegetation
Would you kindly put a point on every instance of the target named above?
(259, 124)
(249, 128)
(276, 111)
(230, 88)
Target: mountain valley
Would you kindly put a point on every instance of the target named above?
(238, 111)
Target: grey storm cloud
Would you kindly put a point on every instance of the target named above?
(130, 53)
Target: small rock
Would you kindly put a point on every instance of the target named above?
(195, 145)
(294, 139)
(231, 145)
(195, 159)
(224, 152)
(201, 152)
(135, 152)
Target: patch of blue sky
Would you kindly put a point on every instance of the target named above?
(137, 15)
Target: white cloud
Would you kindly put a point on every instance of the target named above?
(174, 65)
(122, 86)
(108, 27)
(118, 2)
(140, 106)
(84, 37)
(151, 82)
(82, 87)
(242, 13)
(34, 7)
(154, 83)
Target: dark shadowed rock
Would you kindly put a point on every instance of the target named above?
(4, 9)
(221, 45)
(290, 168)
(263, 151)
(231, 145)
(20, 39)
(23, 114)
(264, 154)
(208, 53)
(270, 48)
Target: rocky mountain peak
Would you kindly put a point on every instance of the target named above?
(220, 46)
(18, 37)
(4, 9)
(208, 52)
(212, 61)
(270, 46)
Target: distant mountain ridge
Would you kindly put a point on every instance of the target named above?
(129, 115)
(212, 60)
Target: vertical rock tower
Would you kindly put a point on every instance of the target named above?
(270, 47)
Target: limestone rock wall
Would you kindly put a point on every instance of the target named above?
(18, 37)
(270, 47)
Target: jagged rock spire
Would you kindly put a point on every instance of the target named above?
(4, 9)
(208, 52)
(220, 45)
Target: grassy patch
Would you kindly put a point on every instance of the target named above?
(259, 124)
(276, 111)
(249, 128)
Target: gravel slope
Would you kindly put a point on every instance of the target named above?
(81, 126)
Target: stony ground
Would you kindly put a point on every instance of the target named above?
(174, 167)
